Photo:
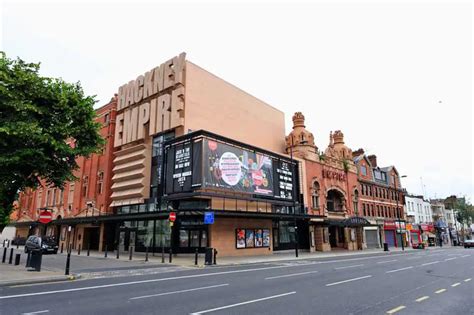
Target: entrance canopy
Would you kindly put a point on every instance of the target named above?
(351, 222)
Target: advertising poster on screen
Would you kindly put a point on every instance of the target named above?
(237, 169)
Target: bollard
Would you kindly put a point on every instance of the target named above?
(8, 243)
(79, 250)
(4, 243)
(196, 257)
(17, 259)
(130, 253)
(28, 260)
(146, 253)
(118, 253)
(37, 260)
(171, 255)
(88, 249)
(105, 254)
(68, 263)
(62, 247)
(215, 256)
(162, 254)
(17, 244)
(11, 256)
(4, 255)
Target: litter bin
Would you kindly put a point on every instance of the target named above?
(385, 247)
(208, 256)
(35, 260)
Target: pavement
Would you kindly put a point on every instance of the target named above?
(437, 281)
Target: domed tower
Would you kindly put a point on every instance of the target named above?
(336, 148)
(300, 140)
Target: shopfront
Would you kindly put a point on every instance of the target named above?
(390, 233)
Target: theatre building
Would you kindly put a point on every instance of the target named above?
(331, 192)
(179, 139)
(189, 142)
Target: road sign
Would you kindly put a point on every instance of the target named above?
(45, 216)
(208, 217)
(172, 217)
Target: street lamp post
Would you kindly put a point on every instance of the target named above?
(293, 198)
(398, 211)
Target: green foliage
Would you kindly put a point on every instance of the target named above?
(464, 211)
(38, 116)
(322, 156)
(345, 164)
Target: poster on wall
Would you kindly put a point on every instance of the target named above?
(240, 234)
(266, 238)
(252, 238)
(249, 238)
(258, 238)
(237, 169)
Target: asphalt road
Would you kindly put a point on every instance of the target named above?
(419, 282)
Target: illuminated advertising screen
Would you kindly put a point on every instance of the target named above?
(236, 169)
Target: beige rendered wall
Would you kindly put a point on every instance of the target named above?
(217, 106)
(222, 236)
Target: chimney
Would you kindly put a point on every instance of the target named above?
(358, 152)
(373, 160)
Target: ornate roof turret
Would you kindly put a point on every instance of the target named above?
(337, 148)
(300, 139)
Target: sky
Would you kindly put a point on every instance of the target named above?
(395, 77)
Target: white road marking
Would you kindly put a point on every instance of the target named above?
(386, 261)
(422, 298)
(447, 259)
(396, 309)
(455, 284)
(430, 263)
(242, 303)
(440, 291)
(396, 270)
(467, 280)
(353, 266)
(291, 275)
(348, 280)
(146, 281)
(180, 291)
(465, 255)
(37, 312)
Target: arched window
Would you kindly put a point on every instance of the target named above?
(315, 195)
(335, 201)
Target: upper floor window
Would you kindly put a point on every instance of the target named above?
(315, 195)
(100, 182)
(85, 186)
(106, 118)
(363, 170)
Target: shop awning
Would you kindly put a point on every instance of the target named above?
(350, 222)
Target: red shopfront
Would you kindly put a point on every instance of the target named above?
(389, 228)
(414, 234)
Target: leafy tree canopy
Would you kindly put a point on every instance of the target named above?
(39, 119)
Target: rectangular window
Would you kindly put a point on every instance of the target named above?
(70, 197)
(39, 197)
(363, 170)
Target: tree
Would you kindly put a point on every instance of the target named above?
(464, 212)
(45, 124)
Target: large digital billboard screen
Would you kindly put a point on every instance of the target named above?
(234, 168)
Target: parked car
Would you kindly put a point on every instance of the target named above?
(46, 244)
(19, 240)
(468, 243)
